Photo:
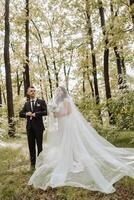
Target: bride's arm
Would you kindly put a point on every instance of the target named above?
(67, 110)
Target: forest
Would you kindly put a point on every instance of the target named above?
(87, 46)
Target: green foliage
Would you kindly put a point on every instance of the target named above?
(3, 121)
(122, 108)
(92, 114)
(88, 108)
(19, 124)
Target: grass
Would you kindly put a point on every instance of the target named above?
(14, 176)
(122, 139)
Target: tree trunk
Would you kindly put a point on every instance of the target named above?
(10, 108)
(49, 75)
(123, 66)
(17, 80)
(116, 51)
(26, 65)
(90, 32)
(106, 52)
(119, 70)
(83, 83)
(65, 75)
(123, 63)
(132, 11)
(41, 77)
(4, 98)
(45, 58)
(0, 104)
(54, 61)
(0, 97)
(19, 83)
(67, 70)
(1, 88)
(106, 73)
(106, 59)
(91, 84)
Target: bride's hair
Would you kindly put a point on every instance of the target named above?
(64, 91)
(60, 98)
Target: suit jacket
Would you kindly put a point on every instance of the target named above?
(40, 110)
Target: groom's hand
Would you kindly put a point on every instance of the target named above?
(29, 114)
(33, 114)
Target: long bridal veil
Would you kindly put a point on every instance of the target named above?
(76, 155)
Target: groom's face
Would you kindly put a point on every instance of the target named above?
(31, 92)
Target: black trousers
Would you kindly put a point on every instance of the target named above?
(34, 138)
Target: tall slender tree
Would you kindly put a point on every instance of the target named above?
(0, 97)
(106, 51)
(132, 9)
(105, 59)
(39, 37)
(26, 65)
(83, 82)
(90, 32)
(116, 51)
(54, 59)
(2, 90)
(67, 69)
(10, 107)
(19, 82)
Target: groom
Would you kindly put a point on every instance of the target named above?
(34, 110)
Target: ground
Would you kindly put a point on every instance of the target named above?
(14, 175)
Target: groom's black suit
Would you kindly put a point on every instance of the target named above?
(35, 126)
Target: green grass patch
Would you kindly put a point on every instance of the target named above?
(122, 139)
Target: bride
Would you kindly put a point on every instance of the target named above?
(76, 155)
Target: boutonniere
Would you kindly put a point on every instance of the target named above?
(37, 104)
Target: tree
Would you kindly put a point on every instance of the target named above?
(90, 32)
(132, 9)
(10, 107)
(106, 51)
(26, 66)
(54, 59)
(19, 82)
(67, 69)
(45, 58)
(0, 97)
(119, 58)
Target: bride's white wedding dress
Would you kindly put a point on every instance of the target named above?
(76, 155)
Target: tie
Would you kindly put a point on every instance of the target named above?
(32, 105)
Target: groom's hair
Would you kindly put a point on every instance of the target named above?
(28, 89)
